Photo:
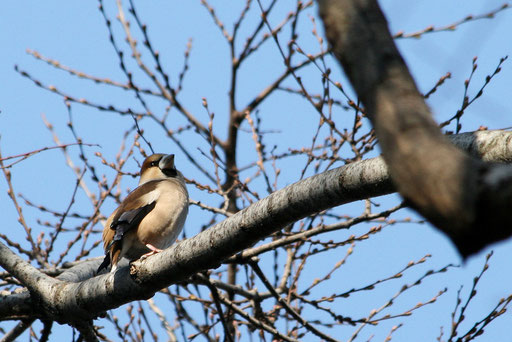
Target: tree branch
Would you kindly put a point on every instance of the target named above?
(73, 298)
(457, 193)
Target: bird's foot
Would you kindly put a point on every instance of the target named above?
(153, 250)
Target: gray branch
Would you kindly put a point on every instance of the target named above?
(79, 296)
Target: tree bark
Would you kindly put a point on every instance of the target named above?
(79, 296)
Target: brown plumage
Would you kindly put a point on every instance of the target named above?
(151, 217)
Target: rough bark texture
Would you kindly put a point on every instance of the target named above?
(464, 197)
(77, 295)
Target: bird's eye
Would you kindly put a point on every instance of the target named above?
(154, 163)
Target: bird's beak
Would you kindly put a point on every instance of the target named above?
(167, 163)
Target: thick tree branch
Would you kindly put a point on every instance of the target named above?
(73, 298)
(464, 197)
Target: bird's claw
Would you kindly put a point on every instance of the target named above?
(153, 250)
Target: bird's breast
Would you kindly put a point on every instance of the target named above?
(164, 223)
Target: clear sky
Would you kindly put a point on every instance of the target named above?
(74, 33)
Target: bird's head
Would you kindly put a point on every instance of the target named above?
(159, 166)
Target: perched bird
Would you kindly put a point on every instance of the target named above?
(150, 217)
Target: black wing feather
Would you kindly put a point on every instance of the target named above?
(124, 223)
(130, 219)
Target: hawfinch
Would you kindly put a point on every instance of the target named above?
(151, 216)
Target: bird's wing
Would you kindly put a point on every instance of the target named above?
(128, 216)
(134, 208)
(129, 220)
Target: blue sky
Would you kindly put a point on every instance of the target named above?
(74, 33)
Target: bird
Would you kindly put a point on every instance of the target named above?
(151, 217)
